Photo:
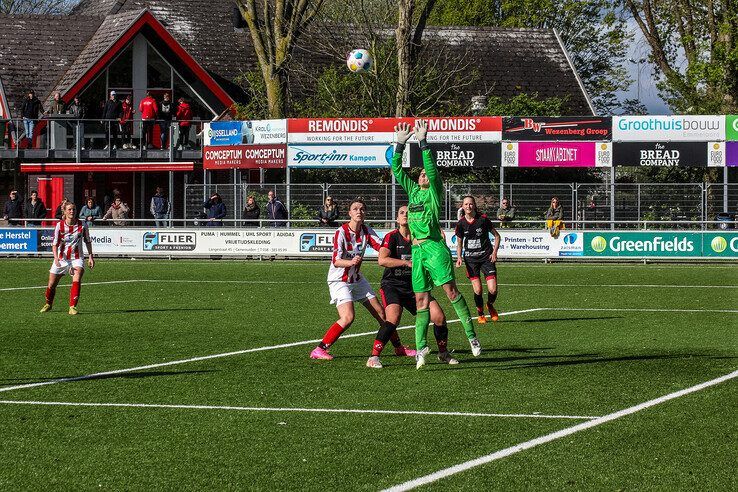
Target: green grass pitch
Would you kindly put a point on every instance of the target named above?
(652, 330)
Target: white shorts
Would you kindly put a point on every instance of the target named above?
(343, 292)
(64, 265)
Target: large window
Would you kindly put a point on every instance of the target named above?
(158, 71)
(199, 110)
(120, 72)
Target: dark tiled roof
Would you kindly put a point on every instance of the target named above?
(112, 28)
(36, 50)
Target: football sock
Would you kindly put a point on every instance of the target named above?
(331, 336)
(462, 311)
(50, 293)
(388, 331)
(394, 337)
(377, 347)
(441, 334)
(479, 302)
(74, 293)
(491, 298)
(421, 328)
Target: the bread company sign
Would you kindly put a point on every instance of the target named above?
(550, 128)
(668, 128)
(669, 154)
(382, 130)
(456, 155)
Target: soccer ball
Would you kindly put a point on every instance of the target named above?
(359, 61)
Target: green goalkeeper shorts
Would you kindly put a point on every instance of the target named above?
(432, 264)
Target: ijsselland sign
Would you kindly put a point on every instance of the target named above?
(642, 244)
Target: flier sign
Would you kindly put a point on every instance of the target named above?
(564, 128)
(557, 154)
(669, 154)
(459, 155)
(668, 128)
(382, 130)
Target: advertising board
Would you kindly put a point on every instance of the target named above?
(271, 156)
(462, 154)
(556, 154)
(680, 128)
(343, 156)
(556, 128)
(268, 132)
(669, 154)
(643, 244)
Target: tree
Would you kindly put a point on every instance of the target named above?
(594, 33)
(701, 33)
(36, 6)
(409, 35)
(275, 28)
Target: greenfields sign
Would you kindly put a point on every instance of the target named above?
(731, 127)
(661, 244)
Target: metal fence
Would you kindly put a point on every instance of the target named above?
(592, 205)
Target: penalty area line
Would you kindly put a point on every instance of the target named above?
(297, 410)
(213, 356)
(503, 453)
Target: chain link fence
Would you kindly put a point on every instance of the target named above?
(592, 205)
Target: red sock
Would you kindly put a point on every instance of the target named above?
(331, 335)
(50, 292)
(377, 348)
(74, 294)
(395, 339)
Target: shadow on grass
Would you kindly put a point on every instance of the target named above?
(390, 352)
(127, 375)
(152, 310)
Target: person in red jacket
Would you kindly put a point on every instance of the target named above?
(126, 123)
(184, 117)
(149, 111)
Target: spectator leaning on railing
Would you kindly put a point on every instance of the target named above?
(118, 212)
(13, 208)
(57, 105)
(251, 213)
(506, 213)
(126, 122)
(77, 109)
(149, 111)
(160, 207)
(111, 114)
(216, 210)
(554, 217)
(90, 211)
(34, 208)
(184, 117)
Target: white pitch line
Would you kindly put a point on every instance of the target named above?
(650, 310)
(214, 356)
(299, 410)
(503, 453)
(109, 282)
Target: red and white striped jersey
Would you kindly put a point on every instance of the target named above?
(347, 244)
(69, 239)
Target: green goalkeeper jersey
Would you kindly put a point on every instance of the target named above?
(424, 208)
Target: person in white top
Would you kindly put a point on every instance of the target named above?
(346, 284)
(66, 247)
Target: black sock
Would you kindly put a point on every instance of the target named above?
(491, 298)
(385, 332)
(441, 334)
(479, 302)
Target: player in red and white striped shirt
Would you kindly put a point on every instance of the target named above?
(345, 281)
(69, 235)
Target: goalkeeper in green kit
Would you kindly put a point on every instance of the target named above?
(431, 258)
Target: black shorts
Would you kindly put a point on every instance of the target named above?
(484, 267)
(395, 295)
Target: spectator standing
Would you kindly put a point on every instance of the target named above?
(166, 112)
(160, 207)
(30, 111)
(149, 110)
(126, 122)
(91, 211)
(34, 209)
(251, 213)
(13, 208)
(276, 211)
(328, 213)
(77, 109)
(554, 217)
(111, 114)
(57, 105)
(59, 213)
(216, 210)
(506, 213)
(118, 212)
(184, 117)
